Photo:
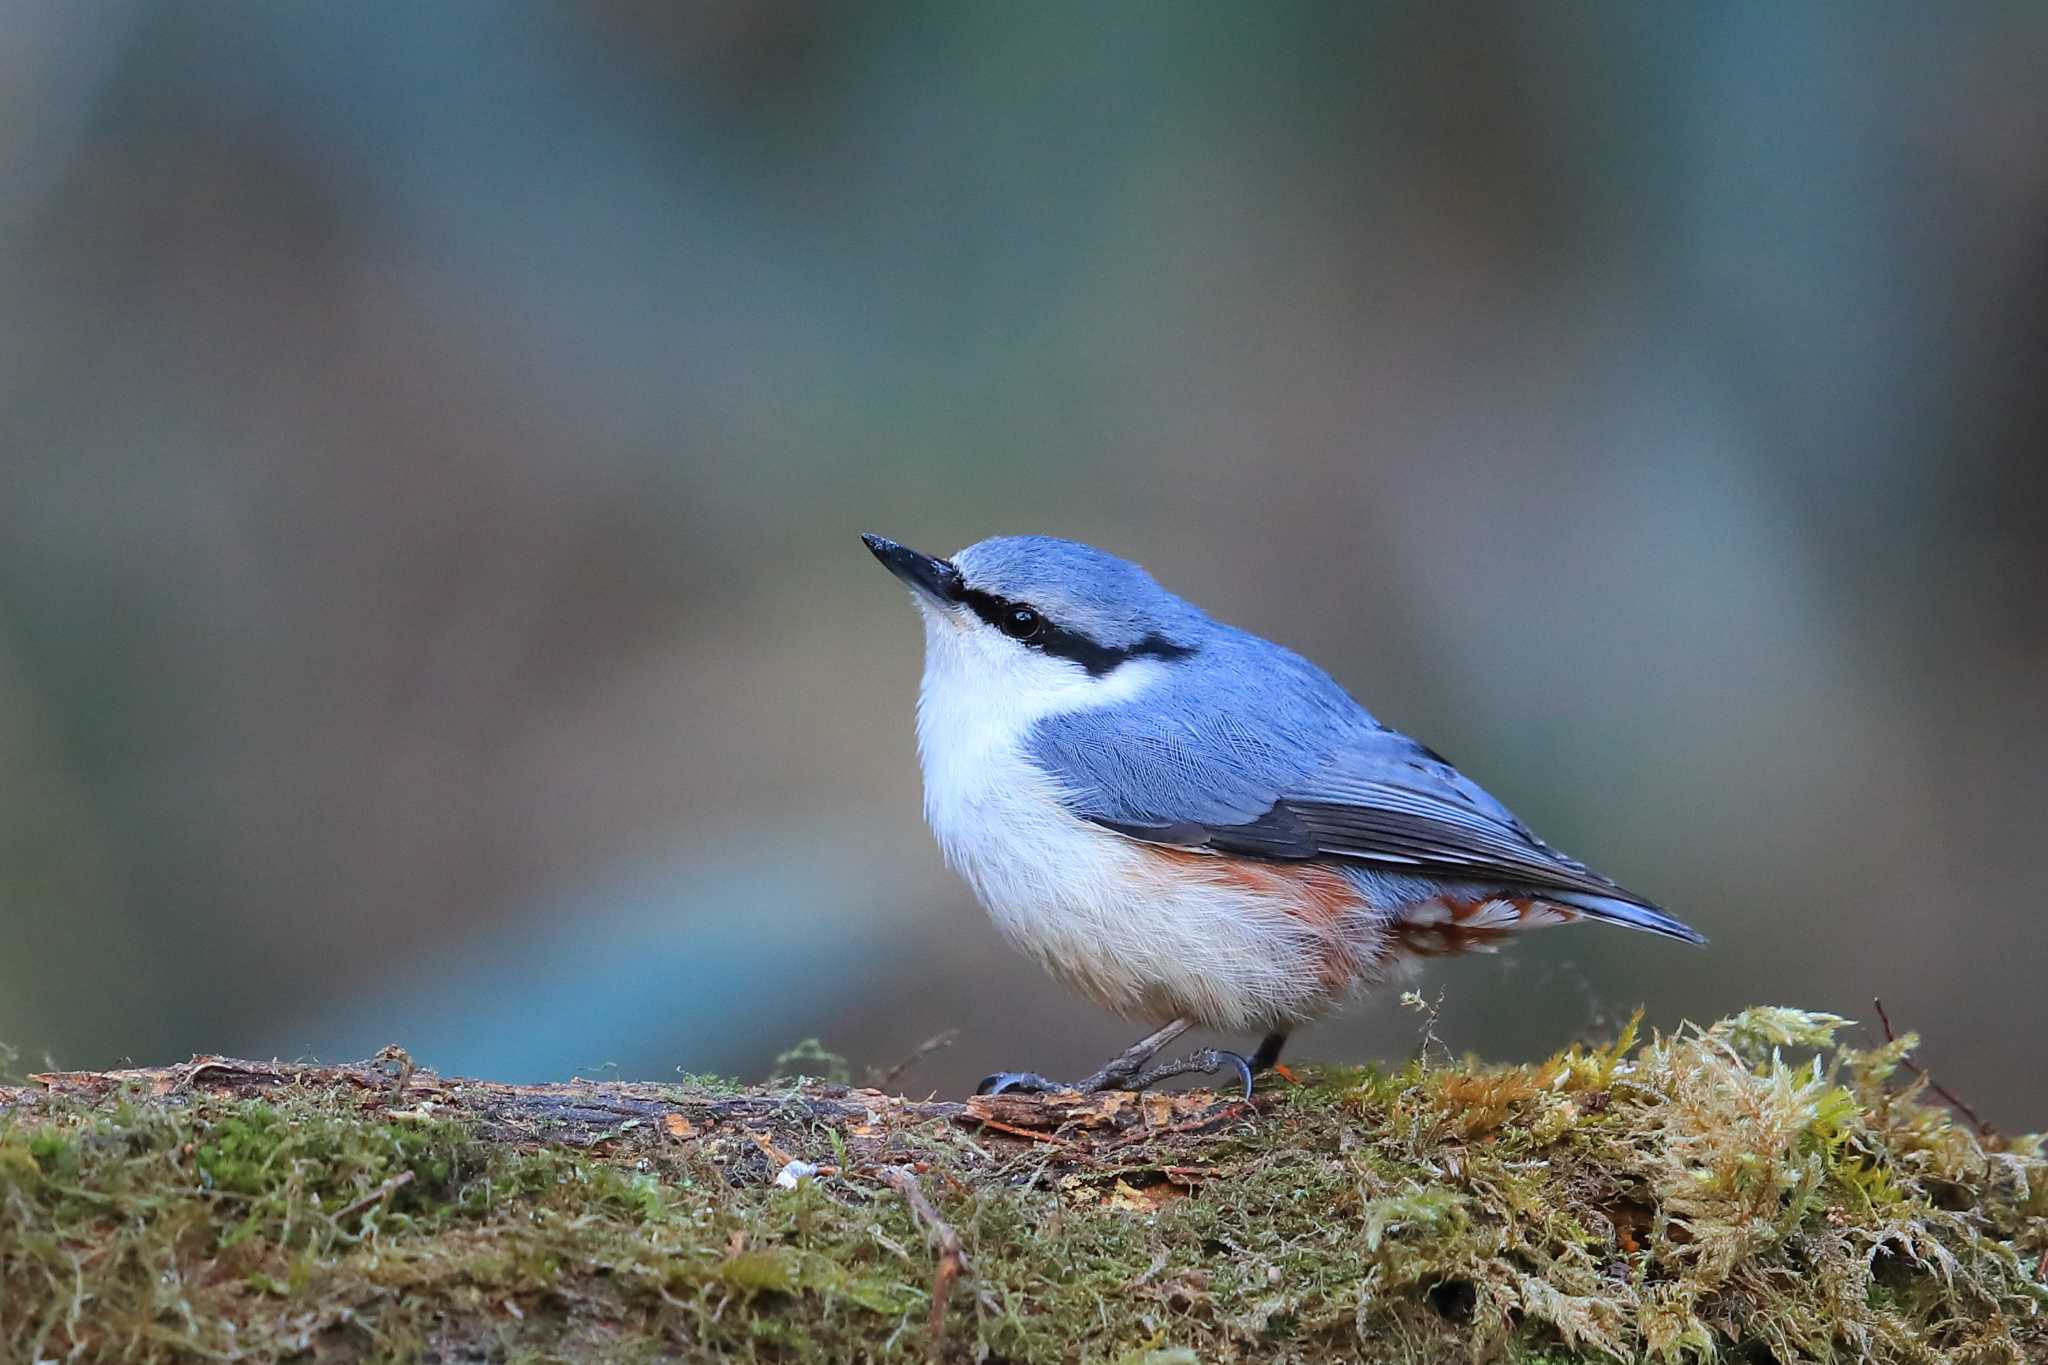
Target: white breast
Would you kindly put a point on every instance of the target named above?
(1145, 936)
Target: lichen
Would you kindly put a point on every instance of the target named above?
(1747, 1191)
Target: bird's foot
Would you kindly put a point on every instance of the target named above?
(1019, 1083)
(1118, 1073)
(1208, 1062)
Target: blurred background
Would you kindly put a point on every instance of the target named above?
(433, 441)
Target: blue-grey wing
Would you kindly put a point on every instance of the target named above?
(1259, 786)
(1382, 797)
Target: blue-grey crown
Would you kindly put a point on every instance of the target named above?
(1089, 593)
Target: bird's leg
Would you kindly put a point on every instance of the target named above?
(1115, 1074)
(1268, 1055)
(1118, 1072)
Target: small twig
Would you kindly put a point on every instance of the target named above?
(401, 1064)
(1432, 1014)
(935, 1043)
(945, 1241)
(1906, 1059)
(768, 1147)
(376, 1196)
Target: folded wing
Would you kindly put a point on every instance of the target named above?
(1372, 795)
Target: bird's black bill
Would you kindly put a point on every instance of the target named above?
(935, 578)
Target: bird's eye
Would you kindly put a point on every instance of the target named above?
(1022, 623)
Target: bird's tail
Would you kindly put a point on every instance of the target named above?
(1447, 925)
(1634, 914)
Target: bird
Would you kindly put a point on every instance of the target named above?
(1193, 826)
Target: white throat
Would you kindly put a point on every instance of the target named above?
(981, 694)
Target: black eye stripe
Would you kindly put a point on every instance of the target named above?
(1073, 645)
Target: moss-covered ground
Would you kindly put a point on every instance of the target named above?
(1744, 1192)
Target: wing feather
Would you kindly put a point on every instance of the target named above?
(1378, 797)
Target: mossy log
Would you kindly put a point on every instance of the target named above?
(1696, 1196)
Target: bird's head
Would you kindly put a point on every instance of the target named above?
(1044, 620)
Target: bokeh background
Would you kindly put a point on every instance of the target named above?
(435, 439)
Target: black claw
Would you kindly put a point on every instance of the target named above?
(1244, 1069)
(1018, 1082)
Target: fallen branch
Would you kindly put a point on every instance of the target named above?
(616, 1114)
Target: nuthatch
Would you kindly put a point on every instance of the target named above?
(1189, 824)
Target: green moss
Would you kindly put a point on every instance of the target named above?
(1692, 1197)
